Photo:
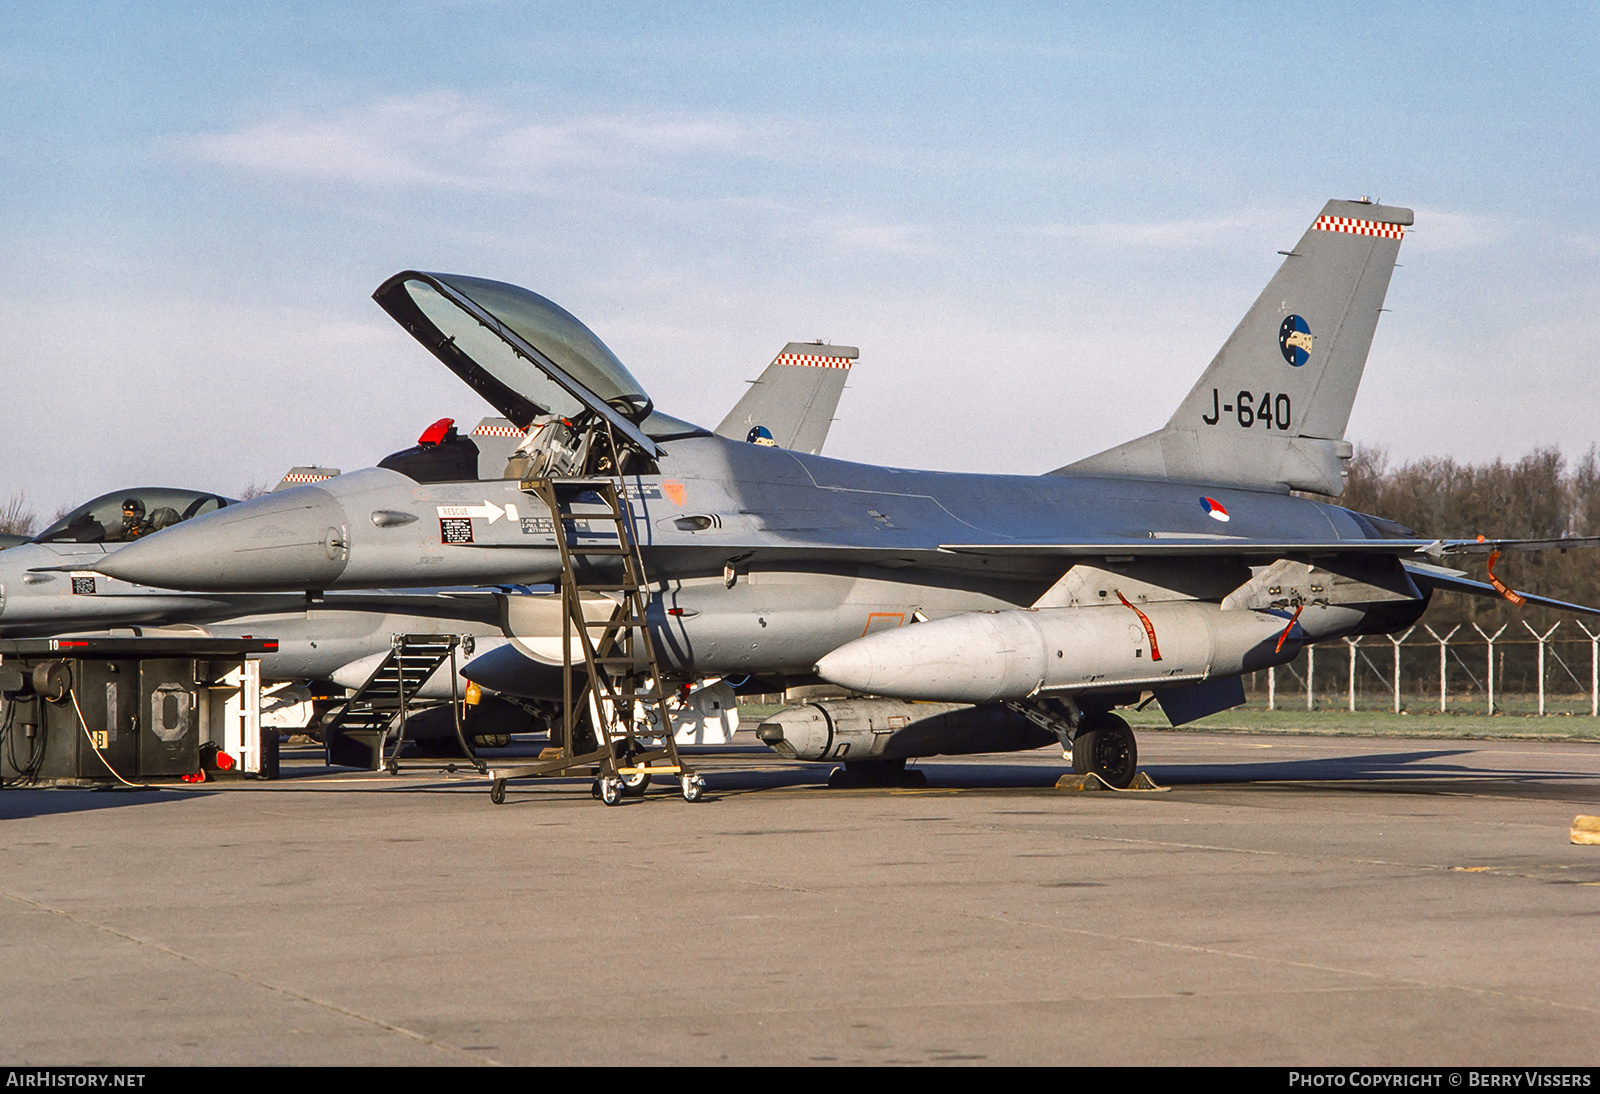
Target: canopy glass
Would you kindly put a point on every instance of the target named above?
(110, 519)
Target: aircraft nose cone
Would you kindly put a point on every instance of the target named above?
(292, 540)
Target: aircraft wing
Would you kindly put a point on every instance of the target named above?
(1481, 546)
(1181, 545)
(1192, 547)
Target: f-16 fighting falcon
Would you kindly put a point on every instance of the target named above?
(975, 612)
(53, 585)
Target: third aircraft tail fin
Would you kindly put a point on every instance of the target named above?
(791, 404)
(1270, 411)
(304, 476)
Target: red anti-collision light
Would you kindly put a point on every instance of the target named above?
(270, 646)
(435, 432)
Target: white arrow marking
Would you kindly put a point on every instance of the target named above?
(489, 511)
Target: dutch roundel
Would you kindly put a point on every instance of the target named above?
(1214, 509)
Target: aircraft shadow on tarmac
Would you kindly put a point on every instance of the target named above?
(1429, 764)
(44, 801)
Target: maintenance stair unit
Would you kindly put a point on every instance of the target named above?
(360, 734)
(615, 724)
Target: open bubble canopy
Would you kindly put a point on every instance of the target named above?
(526, 355)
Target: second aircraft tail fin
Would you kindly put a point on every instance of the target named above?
(794, 399)
(1271, 410)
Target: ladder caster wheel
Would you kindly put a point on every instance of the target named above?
(497, 791)
(694, 788)
(594, 790)
(611, 790)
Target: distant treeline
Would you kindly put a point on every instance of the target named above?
(1536, 497)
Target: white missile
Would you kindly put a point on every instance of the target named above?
(982, 657)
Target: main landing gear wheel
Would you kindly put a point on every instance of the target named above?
(634, 785)
(694, 788)
(1105, 747)
(497, 791)
(611, 790)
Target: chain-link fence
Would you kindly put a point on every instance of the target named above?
(1465, 670)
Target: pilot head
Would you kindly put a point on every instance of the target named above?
(132, 513)
(763, 436)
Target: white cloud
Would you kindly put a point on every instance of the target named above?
(856, 233)
(1437, 230)
(444, 139)
(1170, 233)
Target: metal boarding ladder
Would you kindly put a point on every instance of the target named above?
(621, 700)
(358, 735)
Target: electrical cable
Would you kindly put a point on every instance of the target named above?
(90, 738)
(28, 772)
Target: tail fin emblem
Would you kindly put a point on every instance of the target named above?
(1294, 339)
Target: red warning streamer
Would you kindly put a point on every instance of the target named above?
(1155, 650)
(1284, 637)
(1500, 586)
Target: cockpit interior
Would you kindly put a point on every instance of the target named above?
(130, 514)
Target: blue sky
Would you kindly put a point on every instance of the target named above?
(1038, 222)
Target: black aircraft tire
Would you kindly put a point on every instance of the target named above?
(1106, 747)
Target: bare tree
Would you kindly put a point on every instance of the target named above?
(17, 517)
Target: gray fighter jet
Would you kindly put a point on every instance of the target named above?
(1030, 607)
(53, 583)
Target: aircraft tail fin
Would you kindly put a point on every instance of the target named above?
(794, 399)
(497, 439)
(303, 476)
(1271, 409)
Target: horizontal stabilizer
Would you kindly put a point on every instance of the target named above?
(1270, 410)
(791, 404)
(1451, 581)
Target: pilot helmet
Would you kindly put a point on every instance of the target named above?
(133, 505)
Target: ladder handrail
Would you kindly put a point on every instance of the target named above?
(610, 698)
